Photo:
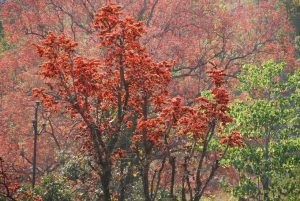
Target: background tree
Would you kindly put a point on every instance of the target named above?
(293, 11)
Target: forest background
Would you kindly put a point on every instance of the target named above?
(150, 99)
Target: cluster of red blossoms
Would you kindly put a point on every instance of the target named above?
(233, 140)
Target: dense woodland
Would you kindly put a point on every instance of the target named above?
(149, 100)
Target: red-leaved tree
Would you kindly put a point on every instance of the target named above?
(122, 100)
(105, 93)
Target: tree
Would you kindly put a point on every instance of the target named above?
(293, 11)
(200, 141)
(105, 93)
(124, 95)
(268, 119)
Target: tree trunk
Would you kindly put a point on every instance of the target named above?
(146, 182)
(105, 180)
(173, 165)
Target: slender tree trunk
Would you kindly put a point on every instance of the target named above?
(173, 165)
(122, 183)
(146, 182)
(183, 197)
(105, 180)
(125, 182)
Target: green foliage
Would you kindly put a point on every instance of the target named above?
(297, 42)
(262, 80)
(51, 188)
(207, 94)
(4, 44)
(269, 122)
(77, 168)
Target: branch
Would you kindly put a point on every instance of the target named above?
(151, 13)
(142, 11)
(159, 178)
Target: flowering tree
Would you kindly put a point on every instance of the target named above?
(124, 95)
(105, 93)
(195, 141)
